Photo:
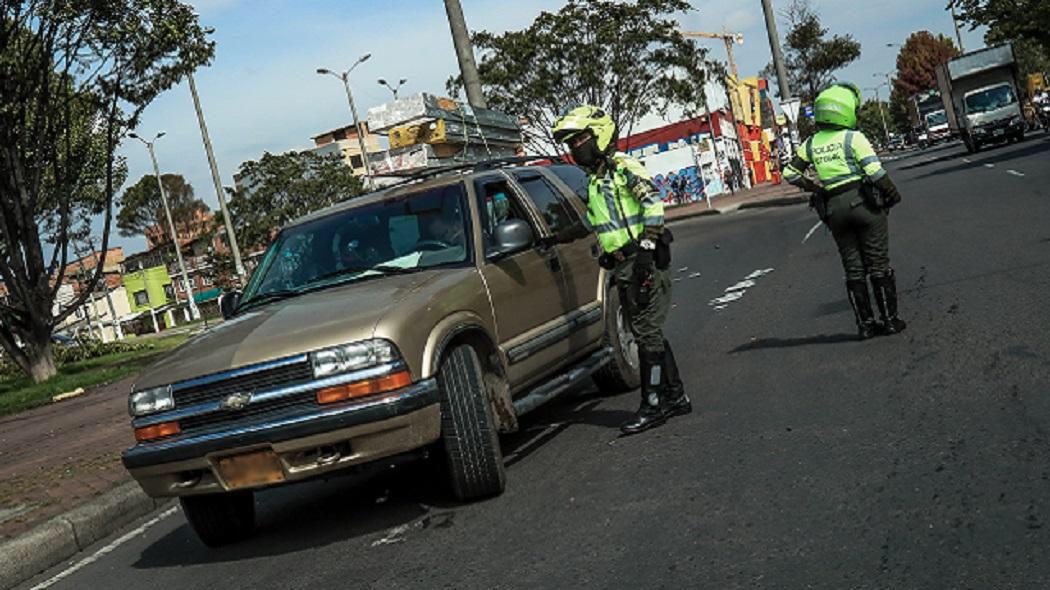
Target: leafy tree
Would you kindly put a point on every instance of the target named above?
(918, 59)
(142, 210)
(810, 58)
(279, 188)
(870, 121)
(1032, 58)
(626, 57)
(74, 77)
(1010, 19)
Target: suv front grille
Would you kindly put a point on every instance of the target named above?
(256, 382)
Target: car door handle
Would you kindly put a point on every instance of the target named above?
(554, 263)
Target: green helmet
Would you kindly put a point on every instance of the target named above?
(583, 118)
(838, 105)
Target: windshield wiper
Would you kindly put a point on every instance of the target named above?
(268, 297)
(381, 268)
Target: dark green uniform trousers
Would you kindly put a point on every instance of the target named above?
(862, 236)
(646, 322)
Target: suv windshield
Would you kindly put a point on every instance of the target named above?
(395, 236)
(990, 99)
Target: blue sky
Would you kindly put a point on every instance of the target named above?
(261, 93)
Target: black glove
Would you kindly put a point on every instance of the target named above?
(642, 279)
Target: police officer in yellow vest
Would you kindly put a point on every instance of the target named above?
(853, 199)
(625, 209)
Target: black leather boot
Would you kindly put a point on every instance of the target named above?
(885, 288)
(676, 402)
(651, 411)
(861, 303)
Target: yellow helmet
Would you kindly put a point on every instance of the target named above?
(583, 118)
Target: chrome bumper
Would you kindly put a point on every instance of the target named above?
(307, 444)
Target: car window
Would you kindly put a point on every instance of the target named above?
(496, 204)
(561, 218)
(402, 234)
(574, 177)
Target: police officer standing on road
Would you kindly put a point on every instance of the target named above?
(624, 208)
(853, 199)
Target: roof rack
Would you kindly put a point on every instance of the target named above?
(479, 166)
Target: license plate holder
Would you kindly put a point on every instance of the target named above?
(250, 469)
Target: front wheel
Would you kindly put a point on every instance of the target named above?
(468, 427)
(221, 519)
(623, 372)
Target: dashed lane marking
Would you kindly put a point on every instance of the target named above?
(109, 548)
(1015, 173)
(967, 160)
(737, 291)
(989, 165)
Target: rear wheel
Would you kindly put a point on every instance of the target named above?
(623, 372)
(468, 427)
(221, 519)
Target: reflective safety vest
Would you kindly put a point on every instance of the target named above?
(622, 203)
(841, 156)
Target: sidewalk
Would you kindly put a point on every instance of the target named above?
(763, 195)
(56, 457)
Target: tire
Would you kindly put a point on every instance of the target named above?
(221, 519)
(623, 372)
(468, 428)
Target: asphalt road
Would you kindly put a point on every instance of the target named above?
(811, 461)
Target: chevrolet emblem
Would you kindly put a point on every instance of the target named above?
(236, 401)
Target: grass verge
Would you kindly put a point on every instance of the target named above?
(20, 393)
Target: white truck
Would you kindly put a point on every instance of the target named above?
(981, 101)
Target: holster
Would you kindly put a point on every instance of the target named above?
(818, 200)
(872, 196)
(662, 257)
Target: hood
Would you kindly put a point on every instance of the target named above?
(284, 328)
(978, 119)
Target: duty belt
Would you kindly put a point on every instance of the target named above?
(624, 252)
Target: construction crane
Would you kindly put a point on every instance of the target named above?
(728, 38)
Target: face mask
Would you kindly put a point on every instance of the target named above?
(587, 155)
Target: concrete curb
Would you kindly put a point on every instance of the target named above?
(60, 538)
(776, 202)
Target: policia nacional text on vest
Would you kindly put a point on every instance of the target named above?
(853, 198)
(625, 210)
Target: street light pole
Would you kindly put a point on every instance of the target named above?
(882, 114)
(345, 77)
(234, 248)
(393, 89)
(955, 21)
(194, 312)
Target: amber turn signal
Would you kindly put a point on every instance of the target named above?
(156, 431)
(364, 388)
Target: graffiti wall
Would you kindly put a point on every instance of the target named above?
(676, 175)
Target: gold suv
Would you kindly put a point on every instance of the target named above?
(428, 315)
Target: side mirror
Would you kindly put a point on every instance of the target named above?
(228, 303)
(511, 236)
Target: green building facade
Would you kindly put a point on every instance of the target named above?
(149, 288)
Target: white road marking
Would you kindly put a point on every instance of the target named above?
(967, 160)
(737, 291)
(741, 285)
(1015, 173)
(694, 275)
(394, 535)
(759, 273)
(811, 230)
(683, 269)
(105, 550)
(989, 165)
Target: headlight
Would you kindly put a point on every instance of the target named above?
(353, 356)
(150, 401)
